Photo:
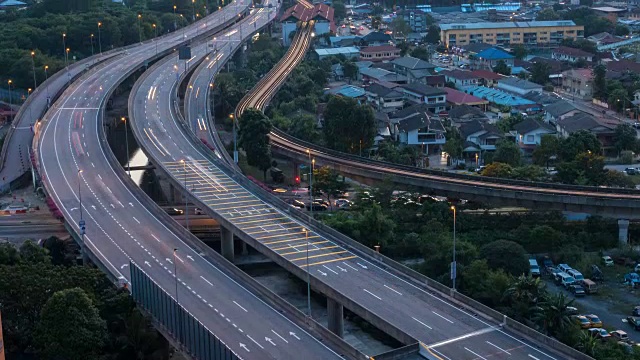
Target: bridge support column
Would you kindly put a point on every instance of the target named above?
(623, 231)
(335, 312)
(245, 250)
(226, 243)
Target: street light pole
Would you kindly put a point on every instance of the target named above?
(139, 27)
(186, 199)
(175, 23)
(64, 50)
(10, 100)
(99, 37)
(453, 263)
(306, 237)
(155, 35)
(33, 67)
(126, 140)
(235, 139)
(313, 165)
(46, 77)
(193, 2)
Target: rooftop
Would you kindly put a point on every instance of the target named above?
(494, 54)
(335, 51)
(459, 74)
(583, 121)
(487, 75)
(381, 74)
(420, 120)
(463, 112)
(498, 97)
(503, 25)
(586, 74)
(608, 9)
(349, 91)
(531, 124)
(565, 50)
(302, 13)
(459, 98)
(379, 48)
(412, 63)
(424, 90)
(519, 83)
(559, 108)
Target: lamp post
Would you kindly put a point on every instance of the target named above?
(453, 263)
(306, 237)
(99, 37)
(193, 3)
(46, 77)
(313, 165)
(476, 160)
(140, 27)
(175, 24)
(10, 100)
(65, 51)
(126, 140)
(81, 222)
(155, 35)
(235, 139)
(91, 36)
(33, 67)
(186, 200)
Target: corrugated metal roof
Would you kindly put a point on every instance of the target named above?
(504, 25)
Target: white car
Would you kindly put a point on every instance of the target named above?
(607, 260)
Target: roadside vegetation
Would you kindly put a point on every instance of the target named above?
(55, 309)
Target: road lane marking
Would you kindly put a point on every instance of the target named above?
(349, 266)
(320, 255)
(134, 218)
(278, 335)
(329, 261)
(208, 282)
(476, 354)
(533, 357)
(372, 294)
(328, 268)
(421, 323)
(290, 240)
(255, 342)
(392, 289)
(442, 317)
(498, 347)
(465, 336)
(240, 306)
(295, 252)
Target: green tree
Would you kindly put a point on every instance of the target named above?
(348, 126)
(254, 139)
(621, 30)
(617, 99)
(483, 284)
(528, 172)
(502, 68)
(625, 138)
(9, 255)
(304, 127)
(350, 70)
(400, 27)
(497, 170)
(581, 141)
(70, 327)
(453, 146)
(523, 294)
(507, 152)
(540, 73)
(421, 53)
(30, 252)
(377, 226)
(519, 51)
(508, 123)
(599, 81)
(546, 151)
(506, 255)
(433, 34)
(339, 10)
(547, 14)
(328, 181)
(552, 315)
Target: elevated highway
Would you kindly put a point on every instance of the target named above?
(86, 182)
(382, 292)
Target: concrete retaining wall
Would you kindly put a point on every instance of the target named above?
(399, 353)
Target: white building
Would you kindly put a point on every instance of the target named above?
(518, 86)
(321, 14)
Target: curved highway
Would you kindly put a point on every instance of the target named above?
(449, 331)
(77, 171)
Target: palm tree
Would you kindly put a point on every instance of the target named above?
(523, 295)
(587, 343)
(552, 315)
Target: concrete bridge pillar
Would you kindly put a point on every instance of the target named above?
(245, 250)
(335, 312)
(623, 231)
(226, 243)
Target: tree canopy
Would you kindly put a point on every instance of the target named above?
(348, 126)
(254, 139)
(502, 68)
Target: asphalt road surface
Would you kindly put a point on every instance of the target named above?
(120, 229)
(450, 332)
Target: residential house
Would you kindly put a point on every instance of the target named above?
(465, 113)
(610, 13)
(372, 74)
(578, 83)
(376, 38)
(344, 41)
(487, 77)
(348, 52)
(416, 70)
(435, 98)
(321, 14)
(437, 81)
(457, 98)
(416, 19)
(460, 78)
(518, 86)
(337, 72)
(541, 98)
(559, 110)
(416, 125)
(383, 98)
(489, 58)
(501, 98)
(572, 55)
(379, 53)
(605, 132)
(529, 133)
(480, 137)
(350, 91)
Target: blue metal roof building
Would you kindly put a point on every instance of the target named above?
(494, 54)
(499, 97)
(349, 91)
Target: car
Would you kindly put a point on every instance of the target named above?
(198, 211)
(479, 169)
(630, 171)
(174, 211)
(632, 279)
(582, 321)
(607, 260)
(343, 203)
(321, 201)
(601, 334)
(618, 335)
(595, 320)
(571, 310)
(577, 290)
(636, 311)
(634, 322)
(315, 206)
(636, 125)
(295, 203)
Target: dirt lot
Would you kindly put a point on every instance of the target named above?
(613, 302)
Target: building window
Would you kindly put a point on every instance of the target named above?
(530, 138)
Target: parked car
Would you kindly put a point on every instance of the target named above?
(631, 279)
(590, 287)
(618, 335)
(634, 322)
(595, 320)
(630, 171)
(295, 203)
(572, 310)
(582, 321)
(315, 206)
(636, 311)
(601, 334)
(577, 290)
(343, 203)
(607, 260)
(174, 211)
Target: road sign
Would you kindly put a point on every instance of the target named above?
(453, 270)
(82, 227)
(184, 53)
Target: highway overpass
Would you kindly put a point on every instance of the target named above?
(81, 174)
(391, 297)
